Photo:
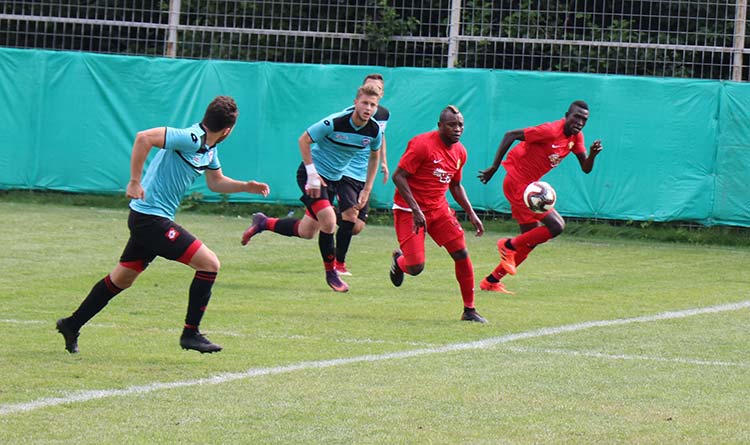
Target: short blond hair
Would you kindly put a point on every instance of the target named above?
(369, 90)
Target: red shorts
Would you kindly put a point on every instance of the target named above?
(442, 226)
(513, 190)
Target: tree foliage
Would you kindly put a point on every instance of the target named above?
(625, 37)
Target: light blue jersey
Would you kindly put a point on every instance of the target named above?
(357, 168)
(174, 169)
(336, 142)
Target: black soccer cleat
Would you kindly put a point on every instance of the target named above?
(397, 275)
(472, 315)
(70, 336)
(193, 339)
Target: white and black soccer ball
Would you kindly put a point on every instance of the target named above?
(539, 197)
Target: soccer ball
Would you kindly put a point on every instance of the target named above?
(539, 197)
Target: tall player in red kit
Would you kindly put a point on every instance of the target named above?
(431, 165)
(541, 149)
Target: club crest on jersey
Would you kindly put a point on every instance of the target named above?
(172, 234)
(365, 141)
(570, 145)
(554, 160)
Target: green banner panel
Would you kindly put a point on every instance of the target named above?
(674, 149)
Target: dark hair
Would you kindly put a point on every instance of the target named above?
(221, 113)
(374, 76)
(452, 109)
(579, 104)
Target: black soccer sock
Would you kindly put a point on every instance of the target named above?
(200, 293)
(98, 297)
(343, 239)
(327, 247)
(286, 226)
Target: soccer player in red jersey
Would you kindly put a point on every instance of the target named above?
(541, 149)
(432, 164)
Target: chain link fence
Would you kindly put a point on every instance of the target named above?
(692, 39)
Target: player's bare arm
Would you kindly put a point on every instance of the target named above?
(459, 194)
(587, 161)
(510, 137)
(219, 183)
(314, 181)
(384, 162)
(372, 171)
(400, 179)
(144, 141)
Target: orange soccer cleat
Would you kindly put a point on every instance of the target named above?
(507, 256)
(494, 287)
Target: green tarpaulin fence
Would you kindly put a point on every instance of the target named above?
(674, 149)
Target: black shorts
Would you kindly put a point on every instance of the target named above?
(152, 236)
(347, 194)
(326, 193)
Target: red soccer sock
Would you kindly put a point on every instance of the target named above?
(465, 278)
(527, 241)
(271, 224)
(401, 262)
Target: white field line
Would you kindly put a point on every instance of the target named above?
(256, 336)
(574, 353)
(85, 396)
(9, 321)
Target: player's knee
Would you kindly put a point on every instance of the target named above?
(460, 254)
(212, 264)
(206, 260)
(327, 220)
(123, 277)
(307, 232)
(359, 226)
(415, 269)
(350, 214)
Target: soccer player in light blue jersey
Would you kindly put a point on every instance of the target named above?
(351, 220)
(185, 155)
(327, 148)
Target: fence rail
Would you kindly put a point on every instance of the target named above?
(695, 39)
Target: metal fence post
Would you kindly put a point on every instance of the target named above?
(455, 25)
(739, 39)
(174, 21)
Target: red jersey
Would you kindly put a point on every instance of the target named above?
(432, 166)
(543, 149)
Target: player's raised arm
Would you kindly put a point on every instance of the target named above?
(510, 137)
(587, 162)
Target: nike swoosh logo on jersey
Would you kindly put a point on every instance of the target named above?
(557, 146)
(437, 161)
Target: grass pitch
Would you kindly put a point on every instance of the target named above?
(606, 341)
